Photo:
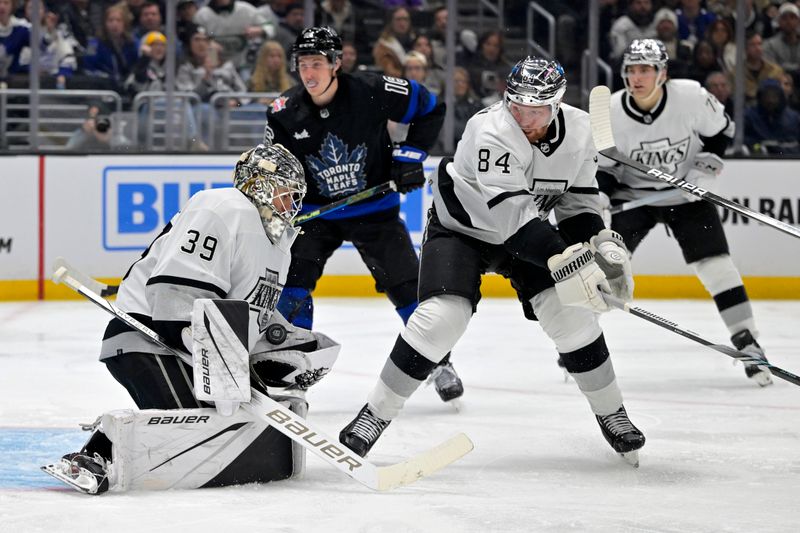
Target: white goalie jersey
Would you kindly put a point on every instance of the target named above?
(666, 138)
(215, 247)
(499, 181)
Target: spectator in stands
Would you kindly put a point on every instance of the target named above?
(134, 7)
(788, 85)
(408, 4)
(394, 42)
(679, 51)
(203, 73)
(784, 47)
(57, 57)
(184, 23)
(757, 69)
(271, 74)
(754, 21)
(95, 134)
(488, 67)
(113, 53)
(770, 127)
(437, 35)
(15, 37)
(465, 105)
(720, 34)
(238, 27)
(290, 27)
(717, 83)
(349, 58)
(342, 16)
(82, 20)
(704, 62)
(149, 19)
(693, 21)
(435, 74)
(415, 67)
(637, 23)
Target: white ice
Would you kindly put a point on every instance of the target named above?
(722, 454)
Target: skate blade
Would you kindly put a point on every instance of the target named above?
(56, 471)
(763, 378)
(632, 458)
(456, 404)
(566, 376)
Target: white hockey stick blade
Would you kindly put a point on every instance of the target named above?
(297, 428)
(90, 283)
(600, 118)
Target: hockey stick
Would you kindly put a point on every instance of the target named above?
(363, 195)
(90, 283)
(600, 114)
(264, 408)
(613, 301)
(647, 200)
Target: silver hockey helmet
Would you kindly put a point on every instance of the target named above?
(645, 52)
(535, 81)
(273, 179)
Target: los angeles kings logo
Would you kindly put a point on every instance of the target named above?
(661, 154)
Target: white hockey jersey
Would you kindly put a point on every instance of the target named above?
(666, 138)
(499, 181)
(215, 247)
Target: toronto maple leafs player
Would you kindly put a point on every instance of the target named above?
(517, 161)
(336, 125)
(676, 126)
(226, 243)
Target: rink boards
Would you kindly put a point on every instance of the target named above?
(101, 212)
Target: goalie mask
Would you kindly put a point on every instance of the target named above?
(319, 40)
(534, 81)
(645, 52)
(273, 179)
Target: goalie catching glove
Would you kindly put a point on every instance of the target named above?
(611, 255)
(578, 278)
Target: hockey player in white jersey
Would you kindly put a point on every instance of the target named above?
(676, 126)
(517, 161)
(230, 244)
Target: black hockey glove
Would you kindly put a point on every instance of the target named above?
(407, 172)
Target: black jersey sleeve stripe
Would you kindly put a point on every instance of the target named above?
(448, 193)
(504, 196)
(584, 190)
(187, 282)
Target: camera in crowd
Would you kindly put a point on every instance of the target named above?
(102, 123)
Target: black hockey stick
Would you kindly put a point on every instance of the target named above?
(357, 197)
(298, 429)
(613, 301)
(600, 114)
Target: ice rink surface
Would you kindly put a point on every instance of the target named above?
(721, 453)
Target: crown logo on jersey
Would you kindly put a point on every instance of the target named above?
(263, 297)
(662, 154)
(338, 171)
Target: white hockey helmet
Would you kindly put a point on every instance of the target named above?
(645, 52)
(535, 81)
(273, 179)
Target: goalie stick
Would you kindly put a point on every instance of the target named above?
(613, 301)
(379, 478)
(600, 114)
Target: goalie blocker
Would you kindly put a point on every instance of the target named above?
(209, 447)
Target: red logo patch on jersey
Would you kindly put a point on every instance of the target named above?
(279, 103)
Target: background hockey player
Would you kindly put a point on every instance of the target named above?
(336, 125)
(518, 160)
(226, 243)
(677, 127)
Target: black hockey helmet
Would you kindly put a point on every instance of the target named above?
(317, 40)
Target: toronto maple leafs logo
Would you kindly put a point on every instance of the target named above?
(263, 297)
(337, 171)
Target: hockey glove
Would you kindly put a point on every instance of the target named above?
(407, 172)
(612, 257)
(704, 172)
(578, 278)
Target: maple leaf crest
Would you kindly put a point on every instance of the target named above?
(338, 171)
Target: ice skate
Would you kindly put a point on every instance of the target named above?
(446, 382)
(622, 435)
(744, 341)
(360, 434)
(81, 472)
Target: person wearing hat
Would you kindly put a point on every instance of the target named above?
(784, 48)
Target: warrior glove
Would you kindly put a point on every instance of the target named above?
(407, 172)
(612, 257)
(578, 278)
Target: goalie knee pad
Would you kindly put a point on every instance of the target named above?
(437, 324)
(297, 306)
(569, 327)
